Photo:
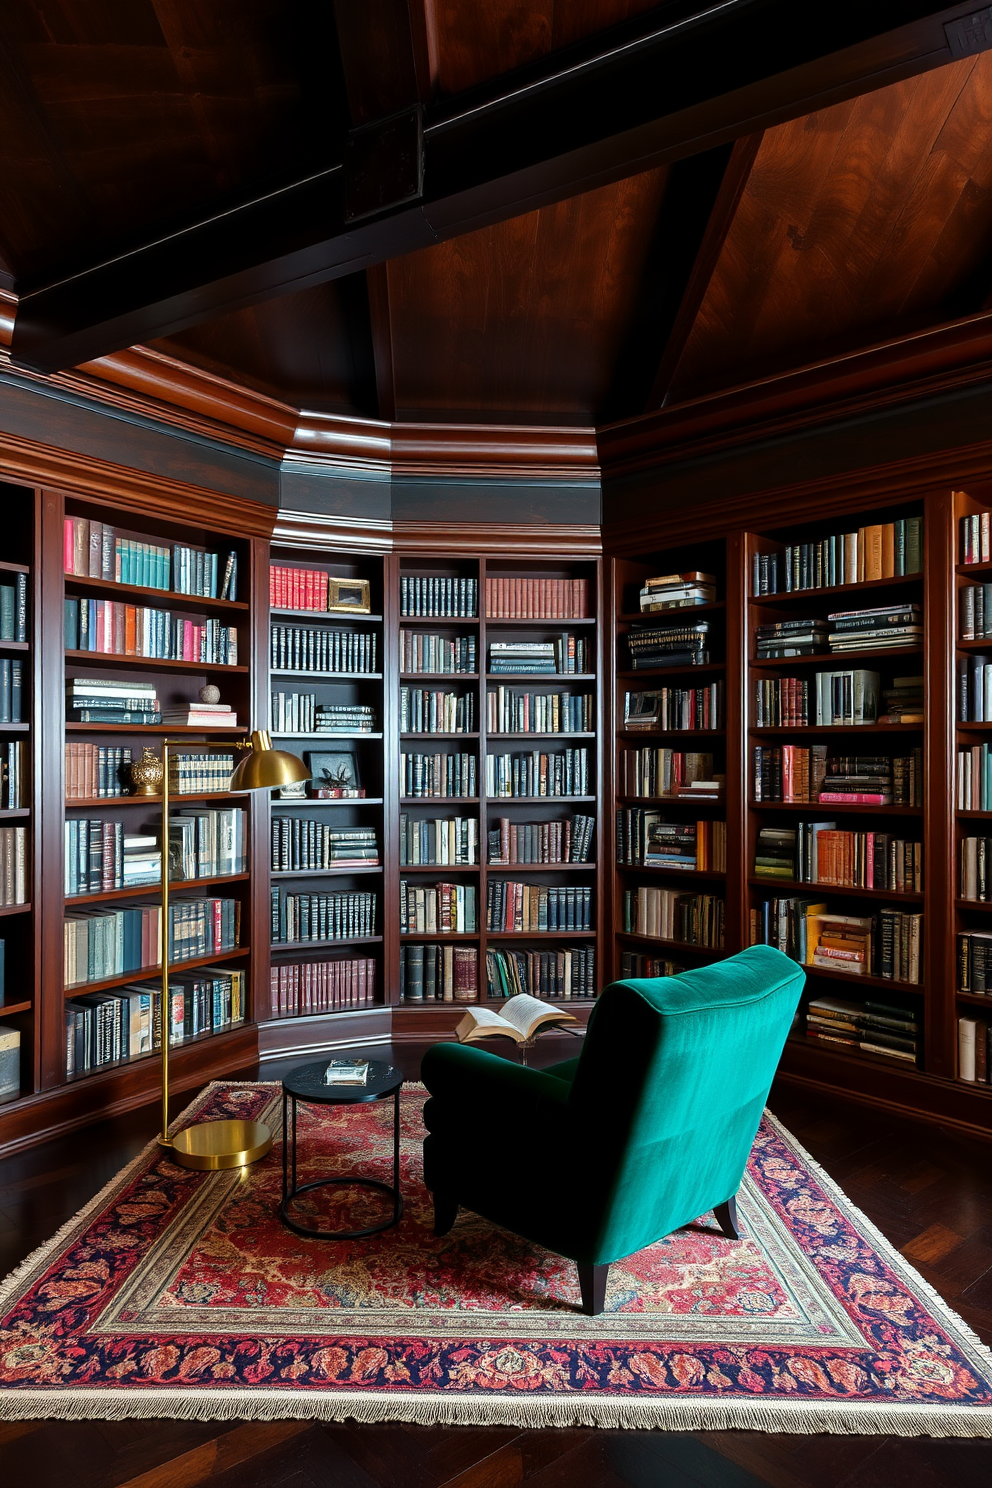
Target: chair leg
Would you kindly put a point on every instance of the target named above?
(592, 1285)
(726, 1218)
(445, 1213)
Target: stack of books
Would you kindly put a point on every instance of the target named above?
(521, 658)
(879, 629)
(201, 715)
(678, 591)
(338, 718)
(903, 701)
(858, 780)
(775, 854)
(142, 861)
(653, 646)
(347, 1072)
(792, 638)
(836, 942)
(876, 1027)
(644, 837)
(300, 844)
(104, 700)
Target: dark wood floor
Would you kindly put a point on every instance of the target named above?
(928, 1191)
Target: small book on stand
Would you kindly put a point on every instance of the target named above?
(347, 1072)
(522, 1019)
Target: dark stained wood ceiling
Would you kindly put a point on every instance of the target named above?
(846, 228)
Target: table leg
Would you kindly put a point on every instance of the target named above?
(295, 1183)
(285, 1147)
(396, 1155)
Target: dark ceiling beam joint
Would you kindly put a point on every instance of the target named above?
(644, 100)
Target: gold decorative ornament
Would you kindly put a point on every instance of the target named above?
(147, 774)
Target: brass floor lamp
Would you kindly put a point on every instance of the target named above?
(217, 1144)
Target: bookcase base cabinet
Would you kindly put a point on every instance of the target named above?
(886, 1086)
(113, 1092)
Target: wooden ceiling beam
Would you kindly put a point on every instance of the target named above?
(725, 203)
(665, 86)
(382, 340)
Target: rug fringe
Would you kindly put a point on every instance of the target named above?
(802, 1417)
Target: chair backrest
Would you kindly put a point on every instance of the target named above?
(670, 1088)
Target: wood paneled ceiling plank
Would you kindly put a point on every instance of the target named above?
(532, 140)
(377, 281)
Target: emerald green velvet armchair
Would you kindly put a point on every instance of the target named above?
(648, 1129)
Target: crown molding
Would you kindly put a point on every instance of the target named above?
(908, 369)
(327, 534)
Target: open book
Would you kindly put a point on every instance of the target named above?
(520, 1020)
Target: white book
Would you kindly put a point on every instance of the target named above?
(967, 1028)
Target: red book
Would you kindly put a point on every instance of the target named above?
(68, 545)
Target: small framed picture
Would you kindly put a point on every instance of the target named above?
(334, 770)
(348, 595)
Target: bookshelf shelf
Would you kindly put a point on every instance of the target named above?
(546, 621)
(154, 1054)
(6, 567)
(848, 1052)
(983, 906)
(976, 999)
(439, 676)
(15, 811)
(524, 935)
(967, 570)
(704, 669)
(124, 730)
(152, 663)
(326, 738)
(831, 809)
(307, 801)
(437, 734)
(156, 599)
(142, 890)
(439, 868)
(643, 617)
(14, 728)
(832, 730)
(552, 679)
(629, 736)
(15, 909)
(541, 867)
(867, 587)
(442, 936)
(689, 874)
(790, 886)
(521, 738)
(19, 646)
(833, 661)
(89, 803)
(439, 800)
(886, 983)
(328, 676)
(716, 952)
(324, 945)
(337, 616)
(325, 872)
(7, 1009)
(148, 973)
(533, 800)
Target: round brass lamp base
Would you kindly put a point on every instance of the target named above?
(221, 1144)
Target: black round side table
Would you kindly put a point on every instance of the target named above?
(307, 1084)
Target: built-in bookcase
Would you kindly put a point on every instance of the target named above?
(19, 927)
(334, 660)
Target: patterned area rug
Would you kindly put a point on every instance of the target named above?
(182, 1294)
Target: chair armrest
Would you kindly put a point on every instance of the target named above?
(460, 1072)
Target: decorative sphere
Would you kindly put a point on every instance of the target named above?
(210, 693)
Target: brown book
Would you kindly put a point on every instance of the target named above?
(522, 1018)
(465, 979)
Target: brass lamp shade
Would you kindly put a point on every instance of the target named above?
(265, 768)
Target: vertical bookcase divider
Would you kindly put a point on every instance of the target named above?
(939, 822)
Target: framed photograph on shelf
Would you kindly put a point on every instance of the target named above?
(334, 772)
(346, 596)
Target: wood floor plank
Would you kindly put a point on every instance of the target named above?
(214, 1457)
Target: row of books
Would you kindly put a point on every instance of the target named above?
(815, 852)
(431, 597)
(514, 907)
(975, 1050)
(208, 844)
(676, 645)
(115, 629)
(13, 865)
(437, 909)
(882, 628)
(634, 964)
(667, 772)
(94, 550)
(301, 844)
(677, 591)
(426, 652)
(12, 700)
(974, 689)
(509, 712)
(975, 961)
(873, 1027)
(790, 772)
(103, 943)
(538, 774)
(537, 599)
(831, 698)
(976, 868)
(568, 841)
(110, 1027)
(675, 708)
(566, 655)
(301, 713)
(439, 973)
(15, 790)
(669, 914)
(14, 609)
(318, 648)
(974, 536)
(437, 841)
(10, 1063)
(423, 711)
(975, 612)
(427, 775)
(883, 550)
(102, 771)
(567, 971)
(100, 857)
(886, 944)
(646, 839)
(195, 773)
(299, 988)
(313, 589)
(344, 915)
(974, 778)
